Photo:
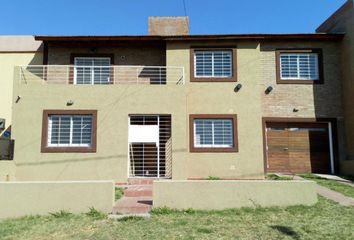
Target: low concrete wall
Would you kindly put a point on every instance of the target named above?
(19, 199)
(347, 167)
(7, 170)
(218, 195)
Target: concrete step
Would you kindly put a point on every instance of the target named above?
(133, 205)
(138, 191)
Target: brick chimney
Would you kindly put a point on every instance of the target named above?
(168, 26)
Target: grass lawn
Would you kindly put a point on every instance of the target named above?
(331, 184)
(325, 220)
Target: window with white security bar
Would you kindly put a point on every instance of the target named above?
(214, 133)
(69, 131)
(92, 70)
(299, 66)
(213, 63)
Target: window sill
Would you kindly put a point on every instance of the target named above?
(213, 79)
(68, 150)
(215, 150)
(297, 81)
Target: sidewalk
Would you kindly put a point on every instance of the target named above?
(332, 195)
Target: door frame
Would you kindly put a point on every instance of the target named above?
(332, 131)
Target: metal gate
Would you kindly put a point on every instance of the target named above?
(150, 146)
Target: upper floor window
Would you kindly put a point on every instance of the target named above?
(66, 131)
(91, 68)
(299, 66)
(213, 133)
(213, 65)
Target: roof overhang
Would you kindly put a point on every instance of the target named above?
(302, 36)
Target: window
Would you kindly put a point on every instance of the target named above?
(213, 133)
(92, 70)
(300, 66)
(213, 65)
(69, 131)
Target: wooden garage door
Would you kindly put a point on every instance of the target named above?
(298, 147)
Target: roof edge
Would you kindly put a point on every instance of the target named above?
(296, 36)
(323, 28)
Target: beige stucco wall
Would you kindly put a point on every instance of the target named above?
(8, 60)
(255, 71)
(114, 104)
(220, 98)
(20, 199)
(218, 195)
(7, 171)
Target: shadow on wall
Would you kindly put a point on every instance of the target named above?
(328, 101)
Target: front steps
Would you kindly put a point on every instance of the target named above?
(137, 197)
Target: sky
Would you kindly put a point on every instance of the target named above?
(129, 17)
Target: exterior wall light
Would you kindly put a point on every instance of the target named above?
(295, 109)
(238, 87)
(268, 90)
(69, 103)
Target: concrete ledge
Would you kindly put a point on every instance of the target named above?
(218, 195)
(19, 199)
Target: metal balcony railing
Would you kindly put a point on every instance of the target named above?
(101, 75)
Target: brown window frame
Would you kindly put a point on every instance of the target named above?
(214, 79)
(193, 117)
(44, 144)
(298, 81)
(98, 55)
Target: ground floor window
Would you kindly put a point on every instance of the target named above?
(69, 130)
(213, 133)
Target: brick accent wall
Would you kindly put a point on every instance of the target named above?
(318, 100)
(123, 54)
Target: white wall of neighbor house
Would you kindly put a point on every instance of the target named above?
(15, 50)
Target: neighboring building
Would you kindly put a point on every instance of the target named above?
(14, 51)
(173, 105)
(343, 21)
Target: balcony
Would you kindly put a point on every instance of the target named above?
(101, 75)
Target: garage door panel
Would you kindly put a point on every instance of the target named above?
(298, 147)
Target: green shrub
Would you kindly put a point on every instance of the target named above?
(163, 210)
(95, 214)
(130, 218)
(61, 214)
(118, 193)
(213, 178)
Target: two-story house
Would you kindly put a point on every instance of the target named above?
(180, 106)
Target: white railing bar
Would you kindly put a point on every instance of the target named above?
(112, 66)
